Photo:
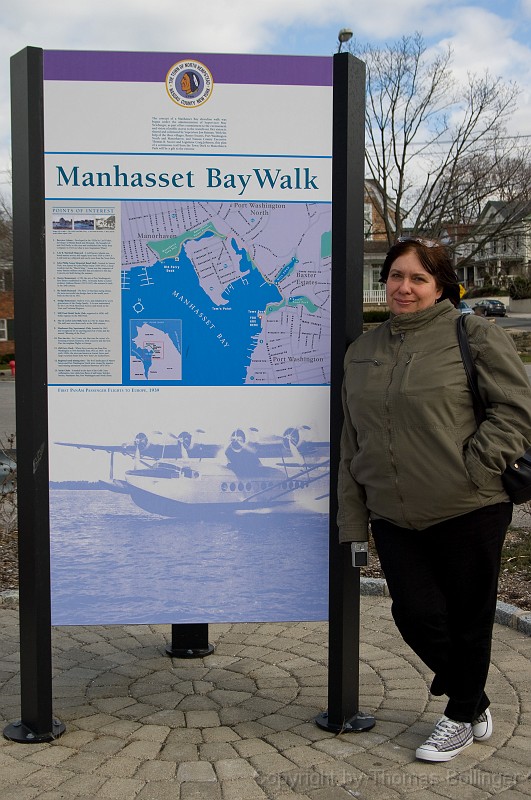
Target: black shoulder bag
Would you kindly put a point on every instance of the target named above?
(517, 477)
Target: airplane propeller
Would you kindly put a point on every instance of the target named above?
(185, 438)
(293, 438)
(141, 442)
(243, 440)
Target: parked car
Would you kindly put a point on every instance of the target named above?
(490, 308)
(464, 308)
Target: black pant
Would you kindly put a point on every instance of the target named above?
(443, 583)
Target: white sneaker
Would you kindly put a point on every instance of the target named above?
(449, 738)
(482, 726)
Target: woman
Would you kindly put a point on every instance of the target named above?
(415, 465)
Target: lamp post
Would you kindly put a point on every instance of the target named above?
(344, 35)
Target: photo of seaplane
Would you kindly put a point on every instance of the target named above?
(175, 474)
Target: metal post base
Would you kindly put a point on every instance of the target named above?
(191, 652)
(18, 732)
(189, 640)
(359, 722)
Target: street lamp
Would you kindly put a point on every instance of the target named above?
(343, 36)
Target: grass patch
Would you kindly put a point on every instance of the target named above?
(516, 555)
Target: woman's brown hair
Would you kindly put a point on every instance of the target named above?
(435, 259)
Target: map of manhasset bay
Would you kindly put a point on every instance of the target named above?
(226, 293)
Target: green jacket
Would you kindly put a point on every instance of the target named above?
(410, 449)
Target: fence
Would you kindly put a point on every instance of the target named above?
(374, 297)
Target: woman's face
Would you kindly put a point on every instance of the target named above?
(409, 286)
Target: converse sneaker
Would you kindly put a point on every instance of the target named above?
(482, 726)
(448, 739)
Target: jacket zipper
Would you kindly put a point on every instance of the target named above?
(401, 499)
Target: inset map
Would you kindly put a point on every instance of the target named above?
(156, 350)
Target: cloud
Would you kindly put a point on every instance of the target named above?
(161, 25)
(484, 41)
(480, 38)
(213, 25)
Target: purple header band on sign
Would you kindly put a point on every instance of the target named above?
(87, 65)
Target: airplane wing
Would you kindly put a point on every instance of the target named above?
(204, 450)
(279, 449)
(151, 450)
(109, 448)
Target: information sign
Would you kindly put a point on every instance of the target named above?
(188, 273)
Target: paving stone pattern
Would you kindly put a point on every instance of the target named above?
(239, 724)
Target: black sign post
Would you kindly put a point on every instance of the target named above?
(343, 713)
(37, 723)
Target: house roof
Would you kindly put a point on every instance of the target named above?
(375, 246)
(515, 209)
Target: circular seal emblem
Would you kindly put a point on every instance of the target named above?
(189, 83)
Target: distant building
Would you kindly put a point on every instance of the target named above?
(508, 252)
(375, 245)
(7, 314)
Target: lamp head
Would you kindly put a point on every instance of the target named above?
(343, 36)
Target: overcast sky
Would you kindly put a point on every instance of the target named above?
(493, 34)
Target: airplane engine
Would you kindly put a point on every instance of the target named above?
(141, 442)
(185, 438)
(156, 445)
(295, 437)
(243, 440)
(185, 441)
(160, 444)
(241, 452)
(294, 440)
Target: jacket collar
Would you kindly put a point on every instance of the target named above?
(417, 319)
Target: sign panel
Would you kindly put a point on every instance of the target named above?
(188, 237)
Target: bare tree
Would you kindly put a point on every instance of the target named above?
(6, 238)
(6, 229)
(6, 224)
(438, 151)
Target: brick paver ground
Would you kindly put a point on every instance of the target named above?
(239, 724)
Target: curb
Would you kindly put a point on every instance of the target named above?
(510, 616)
(9, 598)
(513, 617)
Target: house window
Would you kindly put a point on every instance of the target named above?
(6, 280)
(3, 330)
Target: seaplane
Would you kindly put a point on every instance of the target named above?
(175, 474)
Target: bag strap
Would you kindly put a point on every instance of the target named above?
(470, 369)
